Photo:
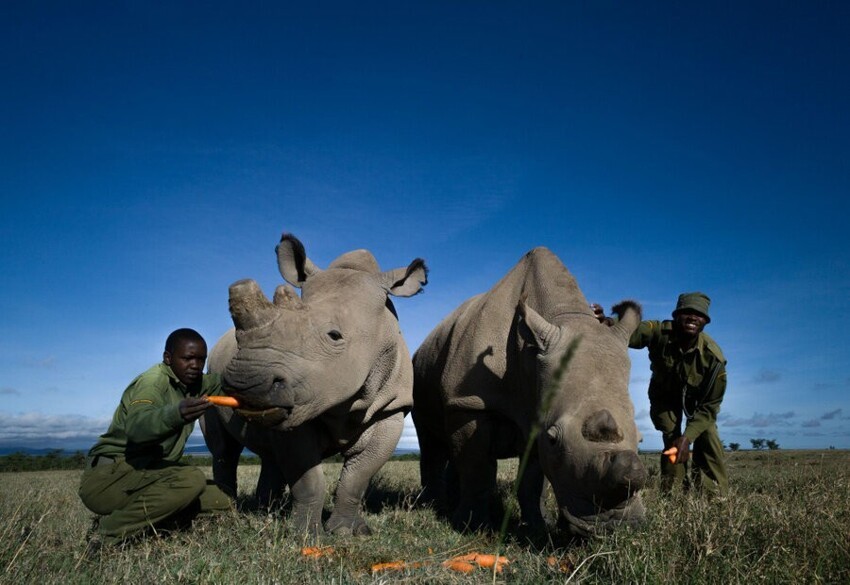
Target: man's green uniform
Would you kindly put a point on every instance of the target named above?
(134, 478)
(688, 385)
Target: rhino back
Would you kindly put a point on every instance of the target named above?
(470, 360)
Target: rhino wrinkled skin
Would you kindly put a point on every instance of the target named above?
(324, 373)
(478, 378)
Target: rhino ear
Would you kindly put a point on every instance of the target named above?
(406, 282)
(629, 316)
(542, 333)
(292, 261)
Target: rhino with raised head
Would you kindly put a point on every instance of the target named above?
(478, 381)
(324, 373)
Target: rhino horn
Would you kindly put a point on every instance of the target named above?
(249, 307)
(601, 427)
(285, 297)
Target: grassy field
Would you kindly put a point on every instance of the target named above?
(787, 520)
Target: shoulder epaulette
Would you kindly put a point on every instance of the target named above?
(712, 346)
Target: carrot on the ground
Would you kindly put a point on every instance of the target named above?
(563, 565)
(391, 566)
(482, 560)
(460, 566)
(224, 401)
(317, 551)
(490, 561)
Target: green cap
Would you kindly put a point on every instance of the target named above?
(695, 301)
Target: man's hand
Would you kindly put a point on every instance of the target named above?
(599, 313)
(681, 443)
(192, 408)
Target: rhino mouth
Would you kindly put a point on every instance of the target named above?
(631, 512)
(268, 417)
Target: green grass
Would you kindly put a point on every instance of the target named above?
(787, 520)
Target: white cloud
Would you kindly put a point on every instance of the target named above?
(41, 430)
(758, 420)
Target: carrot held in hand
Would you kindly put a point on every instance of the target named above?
(672, 454)
(224, 401)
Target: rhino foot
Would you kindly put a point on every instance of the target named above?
(348, 526)
(303, 526)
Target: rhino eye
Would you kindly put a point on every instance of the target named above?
(553, 435)
(334, 334)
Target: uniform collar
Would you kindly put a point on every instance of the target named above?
(698, 347)
(172, 377)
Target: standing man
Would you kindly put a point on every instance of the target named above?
(687, 386)
(133, 477)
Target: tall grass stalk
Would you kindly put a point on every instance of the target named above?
(546, 397)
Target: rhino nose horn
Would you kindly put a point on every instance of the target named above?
(249, 307)
(601, 427)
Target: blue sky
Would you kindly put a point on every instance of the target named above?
(152, 153)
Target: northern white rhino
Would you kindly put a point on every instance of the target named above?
(324, 373)
(478, 379)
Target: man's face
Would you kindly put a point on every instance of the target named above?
(187, 361)
(690, 322)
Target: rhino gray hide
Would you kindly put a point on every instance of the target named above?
(325, 373)
(478, 378)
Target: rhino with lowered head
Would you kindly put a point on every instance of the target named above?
(324, 373)
(478, 380)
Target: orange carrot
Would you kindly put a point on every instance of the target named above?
(671, 454)
(490, 561)
(486, 561)
(224, 401)
(391, 566)
(562, 565)
(317, 551)
(460, 566)
(397, 566)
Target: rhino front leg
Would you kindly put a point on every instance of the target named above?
(374, 448)
(300, 459)
(225, 450)
(476, 469)
(433, 464)
(530, 494)
(270, 485)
